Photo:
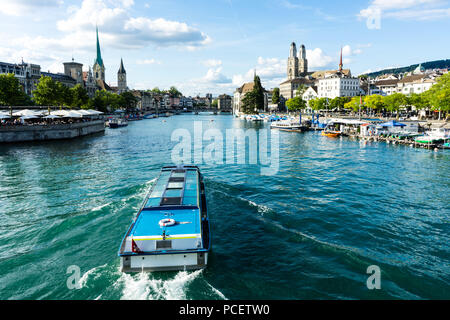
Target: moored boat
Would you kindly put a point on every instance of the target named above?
(171, 230)
(117, 123)
(288, 125)
(330, 131)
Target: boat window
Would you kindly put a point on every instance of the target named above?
(175, 185)
(171, 201)
(173, 193)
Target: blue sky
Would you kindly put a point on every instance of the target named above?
(214, 46)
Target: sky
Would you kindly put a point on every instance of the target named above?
(214, 46)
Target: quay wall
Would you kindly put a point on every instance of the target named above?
(49, 132)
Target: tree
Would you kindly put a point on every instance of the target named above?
(259, 93)
(215, 103)
(11, 92)
(128, 100)
(375, 102)
(47, 92)
(276, 96)
(354, 104)
(301, 90)
(339, 102)
(296, 104)
(419, 101)
(174, 92)
(80, 97)
(249, 102)
(438, 94)
(395, 101)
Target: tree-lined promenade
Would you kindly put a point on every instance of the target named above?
(49, 92)
(436, 99)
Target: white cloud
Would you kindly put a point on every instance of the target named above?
(406, 9)
(118, 28)
(318, 59)
(25, 7)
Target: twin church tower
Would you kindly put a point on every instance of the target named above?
(297, 65)
(99, 71)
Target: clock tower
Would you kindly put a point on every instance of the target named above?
(122, 78)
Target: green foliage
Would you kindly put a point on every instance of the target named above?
(301, 90)
(338, 102)
(296, 104)
(128, 101)
(276, 96)
(215, 103)
(394, 101)
(79, 96)
(375, 102)
(48, 92)
(173, 92)
(318, 103)
(438, 94)
(438, 64)
(249, 103)
(11, 92)
(354, 104)
(259, 93)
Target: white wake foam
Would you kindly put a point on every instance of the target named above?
(144, 286)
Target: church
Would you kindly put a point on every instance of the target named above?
(99, 73)
(316, 83)
(297, 72)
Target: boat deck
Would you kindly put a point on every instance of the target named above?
(175, 195)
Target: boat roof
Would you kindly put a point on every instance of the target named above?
(176, 186)
(175, 195)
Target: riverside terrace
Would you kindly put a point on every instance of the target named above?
(28, 125)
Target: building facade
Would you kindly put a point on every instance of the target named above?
(224, 102)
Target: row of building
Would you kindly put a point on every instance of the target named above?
(337, 83)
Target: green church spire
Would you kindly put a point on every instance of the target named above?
(99, 59)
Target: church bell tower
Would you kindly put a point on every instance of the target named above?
(122, 78)
(292, 65)
(99, 67)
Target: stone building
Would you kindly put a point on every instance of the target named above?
(224, 102)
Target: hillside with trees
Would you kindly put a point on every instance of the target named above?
(438, 64)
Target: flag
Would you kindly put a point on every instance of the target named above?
(134, 247)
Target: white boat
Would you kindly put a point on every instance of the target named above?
(434, 135)
(288, 125)
(117, 123)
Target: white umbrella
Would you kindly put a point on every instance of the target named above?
(60, 113)
(52, 116)
(86, 112)
(29, 117)
(72, 114)
(94, 112)
(25, 112)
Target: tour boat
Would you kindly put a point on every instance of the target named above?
(288, 125)
(171, 230)
(117, 123)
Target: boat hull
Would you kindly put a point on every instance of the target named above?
(164, 262)
(331, 134)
